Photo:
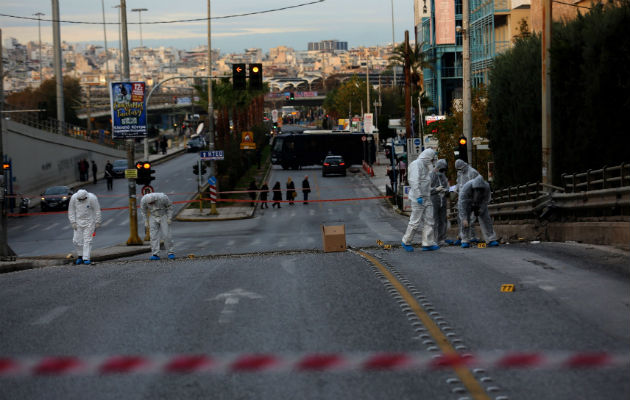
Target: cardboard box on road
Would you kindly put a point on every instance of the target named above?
(334, 238)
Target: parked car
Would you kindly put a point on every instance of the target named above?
(56, 198)
(119, 167)
(195, 144)
(333, 165)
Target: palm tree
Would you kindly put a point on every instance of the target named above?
(417, 61)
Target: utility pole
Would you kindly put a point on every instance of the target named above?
(466, 91)
(134, 239)
(105, 40)
(408, 133)
(119, 43)
(393, 43)
(39, 32)
(367, 78)
(213, 164)
(547, 161)
(58, 62)
(6, 253)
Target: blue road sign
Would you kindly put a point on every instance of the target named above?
(212, 155)
(417, 142)
(212, 181)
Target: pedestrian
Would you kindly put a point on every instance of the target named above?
(291, 193)
(465, 173)
(86, 170)
(157, 211)
(252, 191)
(277, 195)
(306, 189)
(163, 145)
(264, 189)
(94, 171)
(392, 177)
(420, 197)
(80, 168)
(402, 171)
(84, 214)
(109, 175)
(439, 190)
(473, 199)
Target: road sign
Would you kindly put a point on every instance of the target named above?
(146, 189)
(274, 115)
(212, 181)
(363, 138)
(131, 173)
(212, 155)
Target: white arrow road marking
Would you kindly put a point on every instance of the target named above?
(232, 299)
(51, 315)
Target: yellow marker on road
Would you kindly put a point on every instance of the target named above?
(481, 245)
(387, 246)
(507, 287)
(379, 242)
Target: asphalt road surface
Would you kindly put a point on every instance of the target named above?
(263, 285)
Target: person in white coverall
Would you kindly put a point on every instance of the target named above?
(473, 200)
(160, 210)
(439, 190)
(419, 178)
(84, 214)
(465, 173)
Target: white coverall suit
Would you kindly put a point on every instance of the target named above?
(84, 214)
(468, 204)
(465, 173)
(160, 208)
(439, 190)
(419, 177)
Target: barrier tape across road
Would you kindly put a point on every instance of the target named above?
(302, 362)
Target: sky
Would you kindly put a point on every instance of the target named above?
(358, 22)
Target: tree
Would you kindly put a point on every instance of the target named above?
(347, 99)
(46, 95)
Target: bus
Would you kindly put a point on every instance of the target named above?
(298, 149)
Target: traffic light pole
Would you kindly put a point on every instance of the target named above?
(213, 164)
(5, 251)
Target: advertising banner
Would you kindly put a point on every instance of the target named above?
(368, 122)
(444, 22)
(129, 114)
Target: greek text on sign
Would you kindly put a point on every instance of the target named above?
(131, 173)
(212, 155)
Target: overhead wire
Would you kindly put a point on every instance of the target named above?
(175, 21)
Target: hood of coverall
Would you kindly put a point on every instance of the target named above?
(460, 164)
(479, 193)
(428, 157)
(441, 164)
(150, 198)
(82, 194)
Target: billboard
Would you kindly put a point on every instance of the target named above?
(128, 108)
(444, 22)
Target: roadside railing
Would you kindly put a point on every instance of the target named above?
(605, 178)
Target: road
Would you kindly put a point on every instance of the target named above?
(262, 285)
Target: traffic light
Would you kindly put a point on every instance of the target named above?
(196, 169)
(462, 146)
(255, 77)
(144, 173)
(203, 168)
(239, 77)
(291, 96)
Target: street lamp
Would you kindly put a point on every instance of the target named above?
(139, 11)
(39, 31)
(120, 56)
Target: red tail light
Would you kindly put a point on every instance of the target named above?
(342, 163)
(326, 164)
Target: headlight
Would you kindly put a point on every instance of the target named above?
(43, 199)
(64, 198)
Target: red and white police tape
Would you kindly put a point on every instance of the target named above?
(301, 362)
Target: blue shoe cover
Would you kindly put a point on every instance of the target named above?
(457, 242)
(87, 262)
(154, 258)
(465, 245)
(406, 247)
(449, 241)
(430, 248)
(171, 256)
(79, 261)
(494, 243)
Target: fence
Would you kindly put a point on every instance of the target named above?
(605, 178)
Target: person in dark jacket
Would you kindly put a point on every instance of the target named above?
(252, 191)
(109, 175)
(291, 193)
(94, 171)
(263, 195)
(277, 195)
(306, 189)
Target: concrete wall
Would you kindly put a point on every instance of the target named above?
(41, 159)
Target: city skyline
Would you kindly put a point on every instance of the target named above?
(370, 25)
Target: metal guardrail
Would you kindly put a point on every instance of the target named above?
(607, 177)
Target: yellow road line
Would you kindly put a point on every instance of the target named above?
(465, 375)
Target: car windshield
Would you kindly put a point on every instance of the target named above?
(56, 190)
(120, 163)
(334, 158)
